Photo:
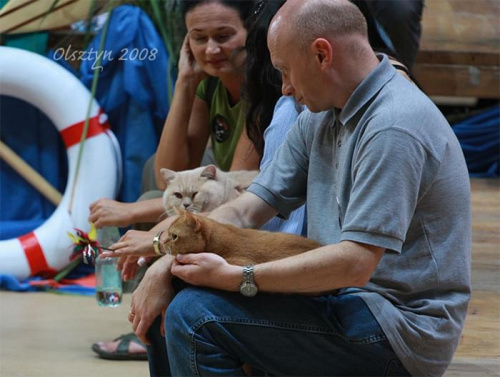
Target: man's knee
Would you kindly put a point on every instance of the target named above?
(189, 308)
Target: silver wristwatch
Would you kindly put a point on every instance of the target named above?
(248, 287)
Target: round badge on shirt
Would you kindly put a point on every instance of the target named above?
(220, 128)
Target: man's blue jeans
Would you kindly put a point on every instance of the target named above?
(213, 333)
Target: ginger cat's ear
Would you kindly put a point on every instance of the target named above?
(179, 211)
(167, 175)
(193, 220)
(209, 172)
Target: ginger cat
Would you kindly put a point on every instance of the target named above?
(196, 234)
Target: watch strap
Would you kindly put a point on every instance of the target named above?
(248, 274)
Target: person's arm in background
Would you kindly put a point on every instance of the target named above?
(185, 134)
(245, 156)
(109, 212)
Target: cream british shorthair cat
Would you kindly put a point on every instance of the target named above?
(202, 189)
(191, 233)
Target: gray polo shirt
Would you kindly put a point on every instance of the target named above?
(388, 171)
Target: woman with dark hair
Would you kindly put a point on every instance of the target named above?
(262, 87)
(270, 115)
(206, 108)
(206, 103)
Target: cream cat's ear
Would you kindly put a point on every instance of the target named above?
(209, 172)
(167, 175)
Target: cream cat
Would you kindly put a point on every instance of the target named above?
(202, 189)
(196, 234)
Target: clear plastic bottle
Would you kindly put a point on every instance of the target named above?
(108, 279)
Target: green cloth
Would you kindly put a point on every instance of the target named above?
(226, 123)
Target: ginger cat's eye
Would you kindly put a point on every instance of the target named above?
(174, 237)
(178, 195)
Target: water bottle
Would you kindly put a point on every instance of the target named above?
(108, 279)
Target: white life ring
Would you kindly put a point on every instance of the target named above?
(65, 100)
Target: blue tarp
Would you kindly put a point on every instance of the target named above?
(132, 89)
(479, 137)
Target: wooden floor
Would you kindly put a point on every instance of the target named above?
(48, 335)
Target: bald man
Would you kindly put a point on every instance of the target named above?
(387, 194)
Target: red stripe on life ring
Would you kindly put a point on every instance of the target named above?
(73, 134)
(34, 254)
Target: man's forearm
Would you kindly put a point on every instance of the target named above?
(246, 211)
(347, 264)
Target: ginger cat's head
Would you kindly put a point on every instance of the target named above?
(185, 235)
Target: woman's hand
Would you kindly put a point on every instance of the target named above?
(152, 297)
(108, 212)
(129, 266)
(207, 270)
(134, 243)
(188, 67)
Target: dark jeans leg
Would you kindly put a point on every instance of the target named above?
(213, 333)
(157, 351)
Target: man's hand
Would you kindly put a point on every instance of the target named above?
(207, 270)
(108, 212)
(152, 297)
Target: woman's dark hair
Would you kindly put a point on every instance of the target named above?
(244, 7)
(262, 87)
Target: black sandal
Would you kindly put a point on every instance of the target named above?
(122, 351)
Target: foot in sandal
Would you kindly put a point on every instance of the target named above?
(125, 347)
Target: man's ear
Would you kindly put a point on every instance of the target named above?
(323, 51)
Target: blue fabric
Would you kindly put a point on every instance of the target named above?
(132, 89)
(284, 116)
(479, 137)
(11, 283)
(32, 136)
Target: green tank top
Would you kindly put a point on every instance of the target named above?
(226, 121)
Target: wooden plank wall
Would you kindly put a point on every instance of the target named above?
(460, 48)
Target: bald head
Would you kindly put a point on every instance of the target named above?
(304, 21)
(322, 50)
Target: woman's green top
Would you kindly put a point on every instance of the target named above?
(226, 121)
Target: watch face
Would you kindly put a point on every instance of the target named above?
(248, 290)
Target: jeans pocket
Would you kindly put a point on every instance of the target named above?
(354, 320)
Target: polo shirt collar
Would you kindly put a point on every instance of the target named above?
(368, 88)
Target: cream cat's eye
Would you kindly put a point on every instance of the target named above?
(194, 194)
(178, 195)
